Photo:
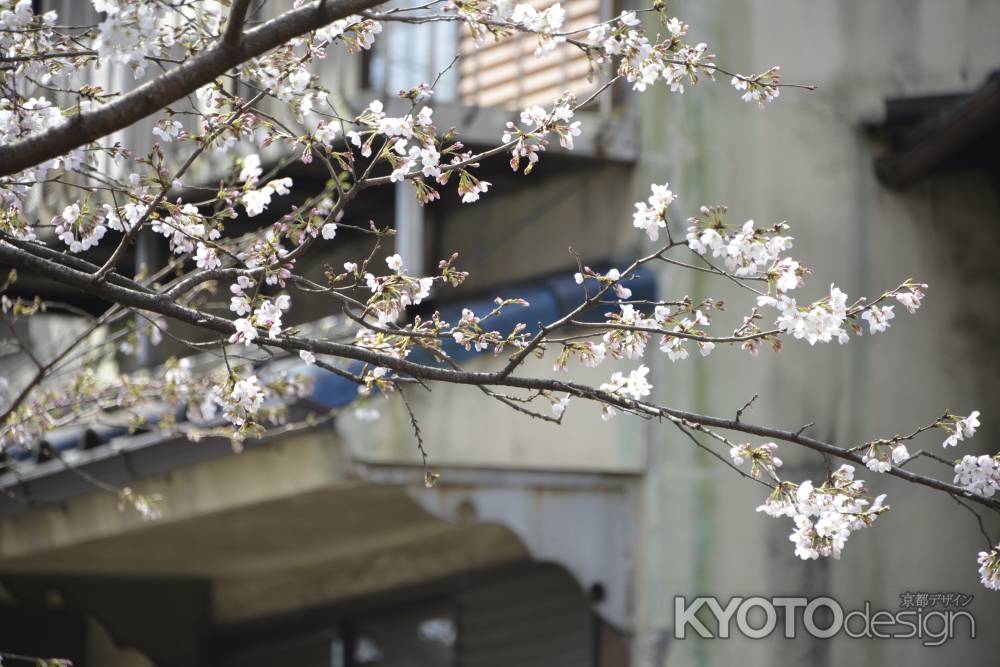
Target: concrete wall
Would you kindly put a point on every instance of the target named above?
(806, 160)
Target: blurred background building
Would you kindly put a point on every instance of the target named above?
(546, 545)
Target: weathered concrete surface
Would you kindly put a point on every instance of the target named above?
(806, 160)
(275, 529)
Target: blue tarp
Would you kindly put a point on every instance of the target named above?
(548, 299)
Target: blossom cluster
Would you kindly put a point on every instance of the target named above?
(470, 334)
(824, 516)
(978, 474)
(962, 428)
(266, 316)
(255, 197)
(77, 230)
(589, 354)
(760, 88)
(391, 294)
(20, 117)
(760, 458)
(282, 72)
(643, 62)
(633, 386)
(989, 568)
(746, 251)
(546, 23)
(651, 216)
(412, 148)
(237, 399)
(757, 253)
(528, 141)
(881, 456)
(132, 31)
(634, 329)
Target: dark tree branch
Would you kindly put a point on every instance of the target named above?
(979, 520)
(163, 305)
(237, 17)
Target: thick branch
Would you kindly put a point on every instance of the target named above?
(237, 17)
(183, 80)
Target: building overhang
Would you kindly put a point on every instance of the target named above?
(282, 527)
(296, 523)
(935, 134)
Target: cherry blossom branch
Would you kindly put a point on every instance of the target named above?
(586, 47)
(163, 306)
(136, 229)
(474, 160)
(414, 150)
(896, 439)
(178, 82)
(545, 330)
(679, 423)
